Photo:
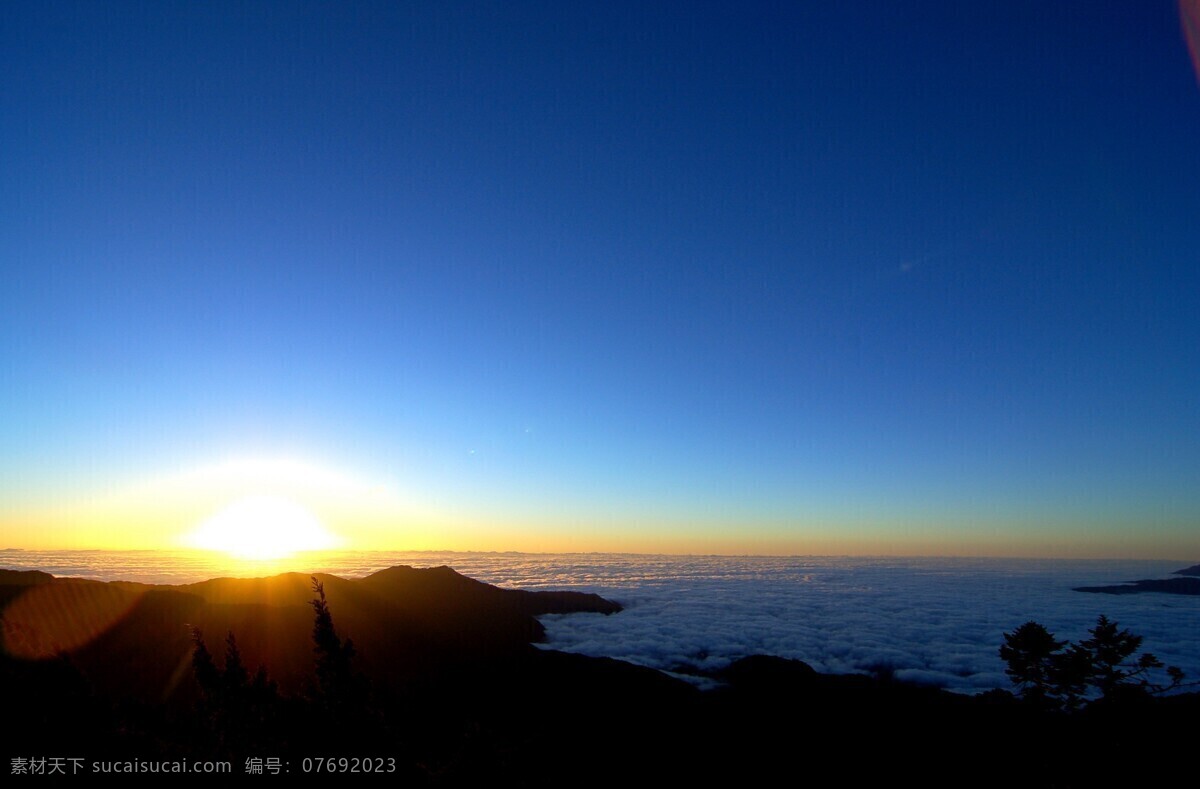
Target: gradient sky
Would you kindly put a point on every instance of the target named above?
(865, 277)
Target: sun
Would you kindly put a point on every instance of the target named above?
(262, 527)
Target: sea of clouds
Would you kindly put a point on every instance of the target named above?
(933, 620)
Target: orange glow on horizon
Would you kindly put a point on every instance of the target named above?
(256, 511)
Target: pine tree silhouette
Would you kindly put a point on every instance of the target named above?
(203, 668)
(335, 680)
(235, 677)
(1030, 652)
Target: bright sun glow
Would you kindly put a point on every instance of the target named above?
(262, 527)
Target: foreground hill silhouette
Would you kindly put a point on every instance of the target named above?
(409, 623)
(453, 688)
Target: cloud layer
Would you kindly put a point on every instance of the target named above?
(937, 621)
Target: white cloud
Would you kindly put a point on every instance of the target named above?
(933, 621)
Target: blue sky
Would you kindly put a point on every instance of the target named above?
(759, 269)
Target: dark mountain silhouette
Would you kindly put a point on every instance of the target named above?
(1193, 570)
(24, 577)
(1166, 585)
(407, 623)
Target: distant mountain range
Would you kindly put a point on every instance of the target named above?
(1189, 584)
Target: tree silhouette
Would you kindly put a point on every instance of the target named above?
(1029, 652)
(203, 668)
(1070, 674)
(1110, 648)
(235, 712)
(1064, 675)
(235, 676)
(335, 680)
